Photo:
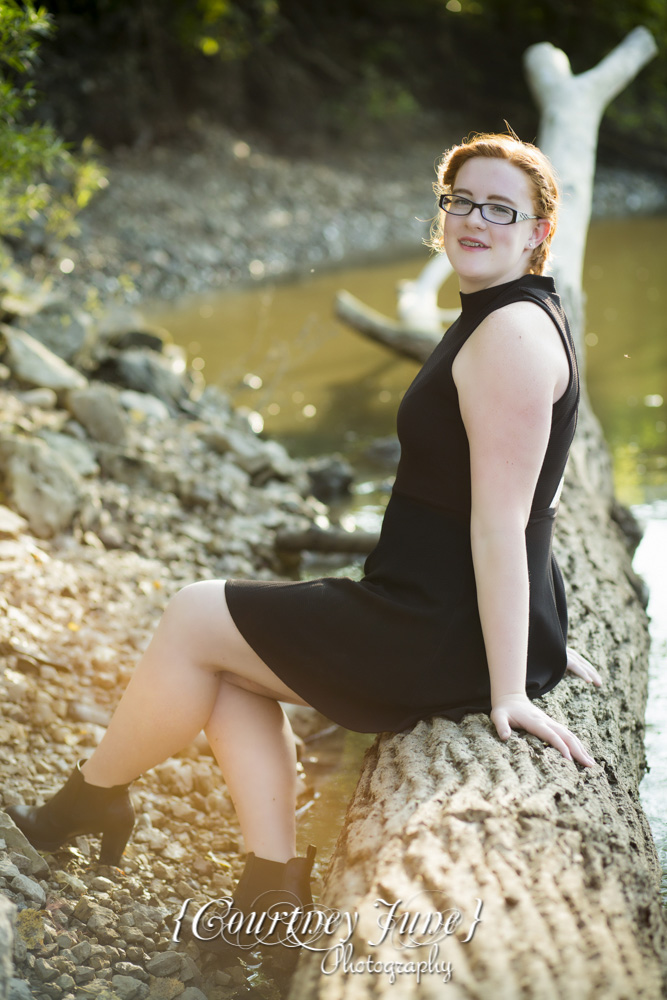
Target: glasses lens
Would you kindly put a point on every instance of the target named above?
(500, 214)
(454, 205)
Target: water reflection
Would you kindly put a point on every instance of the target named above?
(320, 387)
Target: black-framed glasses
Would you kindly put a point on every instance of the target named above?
(501, 215)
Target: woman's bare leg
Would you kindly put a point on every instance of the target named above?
(253, 743)
(199, 673)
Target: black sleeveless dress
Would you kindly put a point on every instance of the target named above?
(405, 642)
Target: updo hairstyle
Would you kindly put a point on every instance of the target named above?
(524, 155)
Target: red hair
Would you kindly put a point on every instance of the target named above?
(524, 155)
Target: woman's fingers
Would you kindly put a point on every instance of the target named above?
(579, 665)
(538, 723)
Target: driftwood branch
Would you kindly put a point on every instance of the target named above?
(409, 342)
(329, 540)
(571, 111)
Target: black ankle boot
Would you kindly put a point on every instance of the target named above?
(265, 890)
(79, 808)
(265, 884)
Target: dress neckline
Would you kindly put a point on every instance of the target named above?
(474, 302)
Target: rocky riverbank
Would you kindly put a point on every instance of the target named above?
(123, 479)
(220, 210)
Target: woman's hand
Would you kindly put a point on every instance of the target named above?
(517, 711)
(579, 665)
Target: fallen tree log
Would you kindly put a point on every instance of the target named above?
(561, 857)
(557, 862)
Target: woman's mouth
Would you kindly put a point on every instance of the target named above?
(473, 245)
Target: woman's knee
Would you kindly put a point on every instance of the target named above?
(196, 599)
(195, 613)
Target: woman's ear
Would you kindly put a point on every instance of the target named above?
(541, 230)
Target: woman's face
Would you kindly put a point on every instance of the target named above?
(483, 253)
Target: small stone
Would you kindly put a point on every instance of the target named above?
(98, 409)
(29, 888)
(84, 974)
(8, 869)
(82, 951)
(102, 884)
(143, 404)
(11, 524)
(35, 365)
(71, 881)
(45, 399)
(19, 990)
(165, 963)
(84, 910)
(192, 993)
(65, 982)
(130, 969)
(45, 970)
(128, 988)
(21, 851)
(65, 940)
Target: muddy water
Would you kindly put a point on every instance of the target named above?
(319, 387)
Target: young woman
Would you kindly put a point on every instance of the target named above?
(462, 607)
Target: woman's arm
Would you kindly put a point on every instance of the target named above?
(508, 375)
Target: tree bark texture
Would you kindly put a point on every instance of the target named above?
(561, 856)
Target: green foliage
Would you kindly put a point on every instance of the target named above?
(230, 30)
(40, 179)
(293, 68)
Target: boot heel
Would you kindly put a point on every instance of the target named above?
(114, 841)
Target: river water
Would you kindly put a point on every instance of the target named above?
(320, 388)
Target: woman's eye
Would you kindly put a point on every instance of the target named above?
(501, 211)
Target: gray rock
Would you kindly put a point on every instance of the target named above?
(45, 970)
(19, 990)
(128, 987)
(192, 993)
(177, 775)
(248, 451)
(7, 915)
(66, 332)
(76, 453)
(165, 963)
(144, 404)
(98, 409)
(15, 841)
(102, 884)
(82, 951)
(151, 373)
(30, 889)
(35, 365)
(130, 969)
(84, 974)
(7, 868)
(11, 524)
(330, 477)
(45, 399)
(102, 918)
(41, 484)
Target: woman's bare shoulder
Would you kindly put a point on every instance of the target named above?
(517, 341)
